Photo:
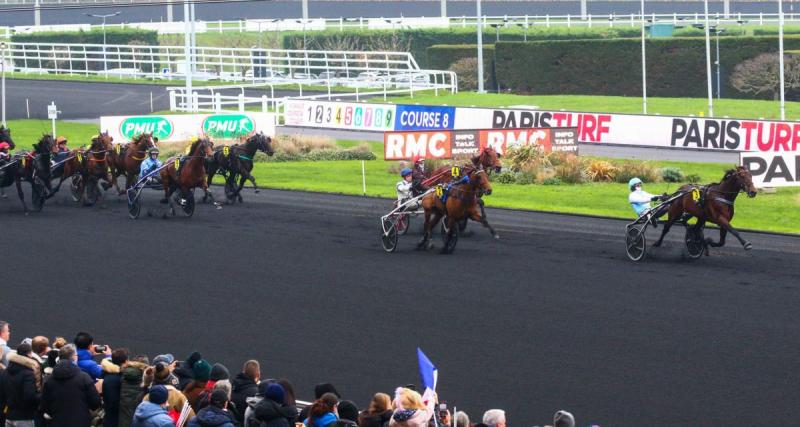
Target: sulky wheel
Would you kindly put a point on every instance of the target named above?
(92, 193)
(134, 207)
(76, 188)
(403, 222)
(388, 237)
(450, 245)
(188, 207)
(636, 244)
(695, 242)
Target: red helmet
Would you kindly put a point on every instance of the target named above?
(4, 146)
(417, 159)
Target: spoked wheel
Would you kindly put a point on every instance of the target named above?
(134, 204)
(76, 188)
(188, 206)
(695, 242)
(92, 193)
(389, 237)
(37, 196)
(402, 223)
(462, 225)
(450, 245)
(230, 190)
(636, 244)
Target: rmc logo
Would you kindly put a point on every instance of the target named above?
(228, 125)
(133, 126)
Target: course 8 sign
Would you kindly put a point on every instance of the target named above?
(340, 115)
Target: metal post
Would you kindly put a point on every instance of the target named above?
(169, 11)
(644, 65)
(443, 9)
(719, 88)
(480, 48)
(187, 39)
(305, 9)
(726, 7)
(37, 14)
(708, 63)
(583, 9)
(780, 57)
(194, 38)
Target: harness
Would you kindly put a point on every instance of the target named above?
(444, 192)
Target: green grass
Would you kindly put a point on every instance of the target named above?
(737, 108)
(779, 212)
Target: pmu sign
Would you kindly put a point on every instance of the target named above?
(773, 169)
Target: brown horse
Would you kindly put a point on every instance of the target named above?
(487, 159)
(189, 174)
(461, 202)
(127, 160)
(87, 167)
(715, 205)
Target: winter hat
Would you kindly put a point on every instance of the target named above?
(158, 394)
(219, 372)
(166, 359)
(348, 410)
(219, 397)
(563, 419)
(275, 393)
(201, 370)
(192, 359)
(323, 388)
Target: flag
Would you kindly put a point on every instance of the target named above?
(427, 371)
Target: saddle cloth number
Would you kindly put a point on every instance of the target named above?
(439, 190)
(177, 163)
(455, 171)
(188, 150)
(226, 151)
(696, 194)
(80, 158)
(117, 148)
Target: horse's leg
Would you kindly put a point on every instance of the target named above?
(723, 232)
(724, 224)
(481, 217)
(426, 234)
(209, 194)
(253, 181)
(451, 228)
(212, 170)
(242, 180)
(18, 182)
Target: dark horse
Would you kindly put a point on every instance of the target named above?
(236, 161)
(188, 173)
(127, 160)
(87, 167)
(715, 205)
(32, 167)
(5, 136)
(461, 202)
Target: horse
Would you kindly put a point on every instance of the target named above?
(86, 166)
(461, 202)
(237, 161)
(34, 168)
(127, 160)
(5, 136)
(188, 174)
(715, 206)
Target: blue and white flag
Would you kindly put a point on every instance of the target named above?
(427, 372)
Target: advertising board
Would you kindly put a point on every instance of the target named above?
(173, 128)
(773, 169)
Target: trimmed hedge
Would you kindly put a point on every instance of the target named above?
(418, 41)
(441, 57)
(676, 67)
(114, 36)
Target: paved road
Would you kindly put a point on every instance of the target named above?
(550, 316)
(80, 100)
(366, 8)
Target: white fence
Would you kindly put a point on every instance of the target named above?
(505, 21)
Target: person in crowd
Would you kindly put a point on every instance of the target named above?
(378, 413)
(319, 390)
(112, 385)
(269, 408)
(218, 373)
(289, 398)
(84, 342)
(21, 388)
(161, 374)
(410, 410)
(348, 414)
(322, 412)
(131, 389)
(69, 395)
(495, 418)
(563, 419)
(201, 370)
(153, 412)
(215, 414)
(245, 385)
(40, 346)
(5, 350)
(462, 419)
(183, 370)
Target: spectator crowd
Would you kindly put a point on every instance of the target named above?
(81, 384)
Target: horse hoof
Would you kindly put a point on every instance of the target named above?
(217, 205)
(656, 244)
(748, 246)
(163, 201)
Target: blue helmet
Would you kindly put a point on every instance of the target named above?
(405, 172)
(634, 182)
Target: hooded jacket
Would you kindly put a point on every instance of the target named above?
(175, 401)
(88, 365)
(243, 387)
(21, 388)
(324, 420)
(411, 418)
(212, 417)
(130, 393)
(112, 383)
(151, 415)
(69, 394)
(268, 413)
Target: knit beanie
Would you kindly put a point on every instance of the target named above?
(323, 388)
(193, 358)
(219, 372)
(201, 370)
(348, 410)
(158, 394)
(275, 393)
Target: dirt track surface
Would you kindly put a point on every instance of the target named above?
(551, 316)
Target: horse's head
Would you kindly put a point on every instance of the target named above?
(46, 145)
(106, 139)
(263, 143)
(480, 181)
(488, 159)
(202, 147)
(145, 141)
(5, 136)
(744, 180)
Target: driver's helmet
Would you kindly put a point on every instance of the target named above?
(633, 183)
(417, 160)
(405, 172)
(61, 140)
(152, 151)
(4, 146)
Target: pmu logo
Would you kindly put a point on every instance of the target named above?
(134, 126)
(228, 125)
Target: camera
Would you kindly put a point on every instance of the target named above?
(441, 410)
(99, 348)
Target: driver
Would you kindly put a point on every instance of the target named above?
(640, 199)
(404, 186)
(418, 175)
(150, 164)
(4, 158)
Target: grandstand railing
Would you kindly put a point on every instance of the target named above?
(508, 21)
